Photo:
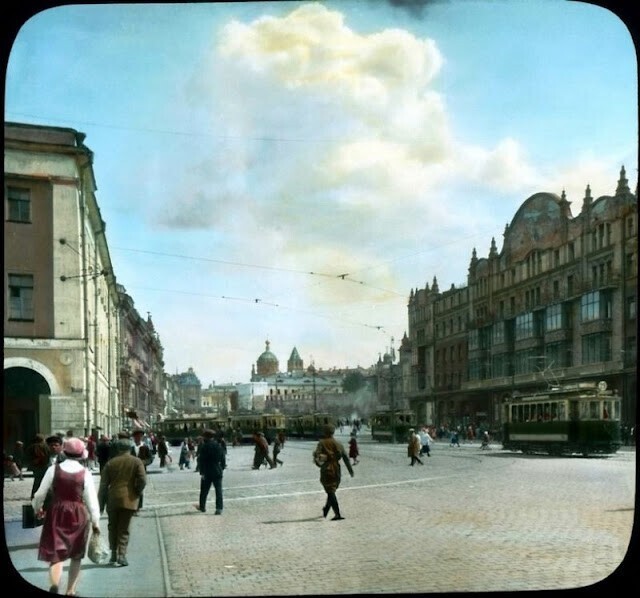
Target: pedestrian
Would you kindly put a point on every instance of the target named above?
(211, 465)
(140, 449)
(425, 440)
(91, 452)
(18, 455)
(328, 454)
(121, 484)
(37, 458)
(454, 439)
(485, 440)
(10, 467)
(163, 450)
(56, 454)
(185, 455)
(74, 509)
(413, 448)
(261, 451)
(103, 449)
(278, 442)
(354, 453)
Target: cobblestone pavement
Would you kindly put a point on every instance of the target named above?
(468, 520)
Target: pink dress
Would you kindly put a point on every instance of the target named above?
(67, 523)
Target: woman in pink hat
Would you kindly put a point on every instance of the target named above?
(73, 510)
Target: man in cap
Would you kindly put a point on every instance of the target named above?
(140, 449)
(121, 484)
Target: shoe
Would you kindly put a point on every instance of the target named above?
(325, 510)
(114, 558)
(337, 518)
(122, 562)
(218, 512)
(198, 508)
(53, 589)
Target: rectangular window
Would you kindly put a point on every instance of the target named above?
(524, 326)
(596, 348)
(19, 200)
(553, 317)
(21, 297)
(497, 333)
(572, 251)
(473, 339)
(557, 354)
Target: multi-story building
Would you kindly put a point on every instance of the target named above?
(188, 395)
(557, 304)
(141, 374)
(61, 326)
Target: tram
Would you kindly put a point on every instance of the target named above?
(310, 425)
(579, 418)
(238, 427)
(176, 429)
(392, 426)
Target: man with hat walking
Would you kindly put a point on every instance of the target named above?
(211, 464)
(121, 484)
(140, 449)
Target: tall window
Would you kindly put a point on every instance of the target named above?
(497, 333)
(557, 354)
(20, 296)
(553, 317)
(596, 348)
(595, 305)
(19, 200)
(524, 326)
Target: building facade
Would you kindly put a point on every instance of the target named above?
(61, 325)
(141, 367)
(556, 304)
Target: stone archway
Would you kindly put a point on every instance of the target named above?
(23, 388)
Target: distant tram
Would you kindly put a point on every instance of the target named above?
(390, 426)
(310, 425)
(579, 418)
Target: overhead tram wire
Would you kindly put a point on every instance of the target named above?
(258, 301)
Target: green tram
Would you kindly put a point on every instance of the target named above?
(238, 426)
(392, 426)
(310, 425)
(176, 429)
(579, 418)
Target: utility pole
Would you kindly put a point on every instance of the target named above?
(393, 404)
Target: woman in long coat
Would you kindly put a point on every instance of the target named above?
(73, 510)
(328, 454)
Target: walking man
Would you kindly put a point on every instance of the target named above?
(211, 464)
(261, 451)
(141, 450)
(121, 484)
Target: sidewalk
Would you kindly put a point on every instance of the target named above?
(145, 553)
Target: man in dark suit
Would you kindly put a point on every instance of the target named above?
(121, 484)
(141, 450)
(211, 464)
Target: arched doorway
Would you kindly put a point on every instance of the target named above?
(23, 388)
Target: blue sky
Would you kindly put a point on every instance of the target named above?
(249, 154)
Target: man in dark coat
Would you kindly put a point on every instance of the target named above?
(140, 449)
(38, 457)
(211, 464)
(103, 451)
(121, 484)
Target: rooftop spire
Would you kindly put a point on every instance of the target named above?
(623, 183)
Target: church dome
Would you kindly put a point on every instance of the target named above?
(267, 363)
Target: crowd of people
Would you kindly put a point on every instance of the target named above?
(64, 496)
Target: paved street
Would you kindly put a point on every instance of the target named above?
(468, 520)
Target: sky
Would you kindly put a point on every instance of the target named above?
(290, 171)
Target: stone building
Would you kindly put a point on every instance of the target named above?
(556, 304)
(61, 325)
(188, 392)
(141, 372)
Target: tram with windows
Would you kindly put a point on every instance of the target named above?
(309, 426)
(392, 426)
(579, 418)
(176, 429)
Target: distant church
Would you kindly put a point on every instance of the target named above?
(268, 365)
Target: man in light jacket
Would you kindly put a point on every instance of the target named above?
(121, 484)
